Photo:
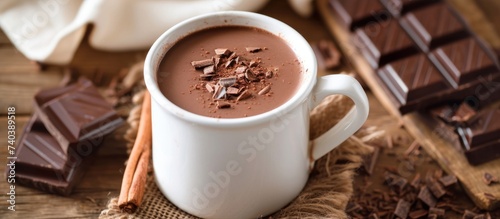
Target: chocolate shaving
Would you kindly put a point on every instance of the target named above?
(209, 87)
(265, 90)
(227, 82)
(250, 76)
(222, 52)
(202, 63)
(244, 95)
(240, 69)
(253, 49)
(206, 77)
(232, 91)
(209, 70)
(220, 105)
(418, 213)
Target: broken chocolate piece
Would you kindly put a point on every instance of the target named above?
(418, 213)
(222, 52)
(244, 95)
(439, 212)
(75, 112)
(232, 91)
(209, 69)
(202, 63)
(370, 160)
(426, 197)
(227, 82)
(436, 189)
(240, 69)
(464, 114)
(448, 180)
(209, 87)
(250, 76)
(402, 208)
(253, 49)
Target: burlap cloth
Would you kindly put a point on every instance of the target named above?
(326, 194)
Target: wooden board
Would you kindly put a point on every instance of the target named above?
(450, 159)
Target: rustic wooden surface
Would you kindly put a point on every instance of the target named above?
(450, 159)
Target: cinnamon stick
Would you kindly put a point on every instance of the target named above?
(134, 178)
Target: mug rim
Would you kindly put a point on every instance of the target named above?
(306, 83)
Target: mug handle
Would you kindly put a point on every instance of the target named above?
(352, 121)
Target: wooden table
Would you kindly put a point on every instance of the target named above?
(20, 79)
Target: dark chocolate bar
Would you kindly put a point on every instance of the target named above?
(398, 7)
(433, 26)
(41, 163)
(484, 130)
(380, 46)
(75, 113)
(356, 13)
(464, 61)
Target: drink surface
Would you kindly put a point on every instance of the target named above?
(229, 72)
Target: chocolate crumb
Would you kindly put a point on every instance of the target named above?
(265, 90)
(240, 69)
(202, 63)
(436, 189)
(464, 114)
(488, 179)
(269, 74)
(250, 76)
(253, 49)
(229, 63)
(206, 77)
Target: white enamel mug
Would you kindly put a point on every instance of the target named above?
(244, 167)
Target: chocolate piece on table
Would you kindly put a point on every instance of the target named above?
(436, 189)
(41, 163)
(486, 129)
(426, 197)
(434, 26)
(75, 113)
(444, 112)
(327, 54)
(398, 7)
(356, 13)
(412, 78)
(464, 114)
(448, 180)
(439, 212)
(402, 208)
(384, 45)
(465, 61)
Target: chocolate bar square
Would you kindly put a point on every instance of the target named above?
(433, 26)
(399, 7)
(356, 13)
(75, 113)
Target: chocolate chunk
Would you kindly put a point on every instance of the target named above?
(220, 105)
(356, 13)
(43, 164)
(384, 46)
(402, 208)
(434, 26)
(370, 160)
(412, 78)
(253, 49)
(223, 52)
(489, 196)
(488, 179)
(202, 63)
(443, 112)
(448, 180)
(253, 63)
(468, 215)
(209, 70)
(209, 87)
(398, 7)
(229, 63)
(439, 212)
(221, 93)
(250, 76)
(232, 91)
(426, 197)
(464, 114)
(75, 113)
(436, 189)
(265, 90)
(464, 61)
(485, 130)
(240, 69)
(418, 213)
(206, 77)
(483, 153)
(327, 54)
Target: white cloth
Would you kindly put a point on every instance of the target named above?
(51, 30)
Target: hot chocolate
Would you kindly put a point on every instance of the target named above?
(229, 72)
